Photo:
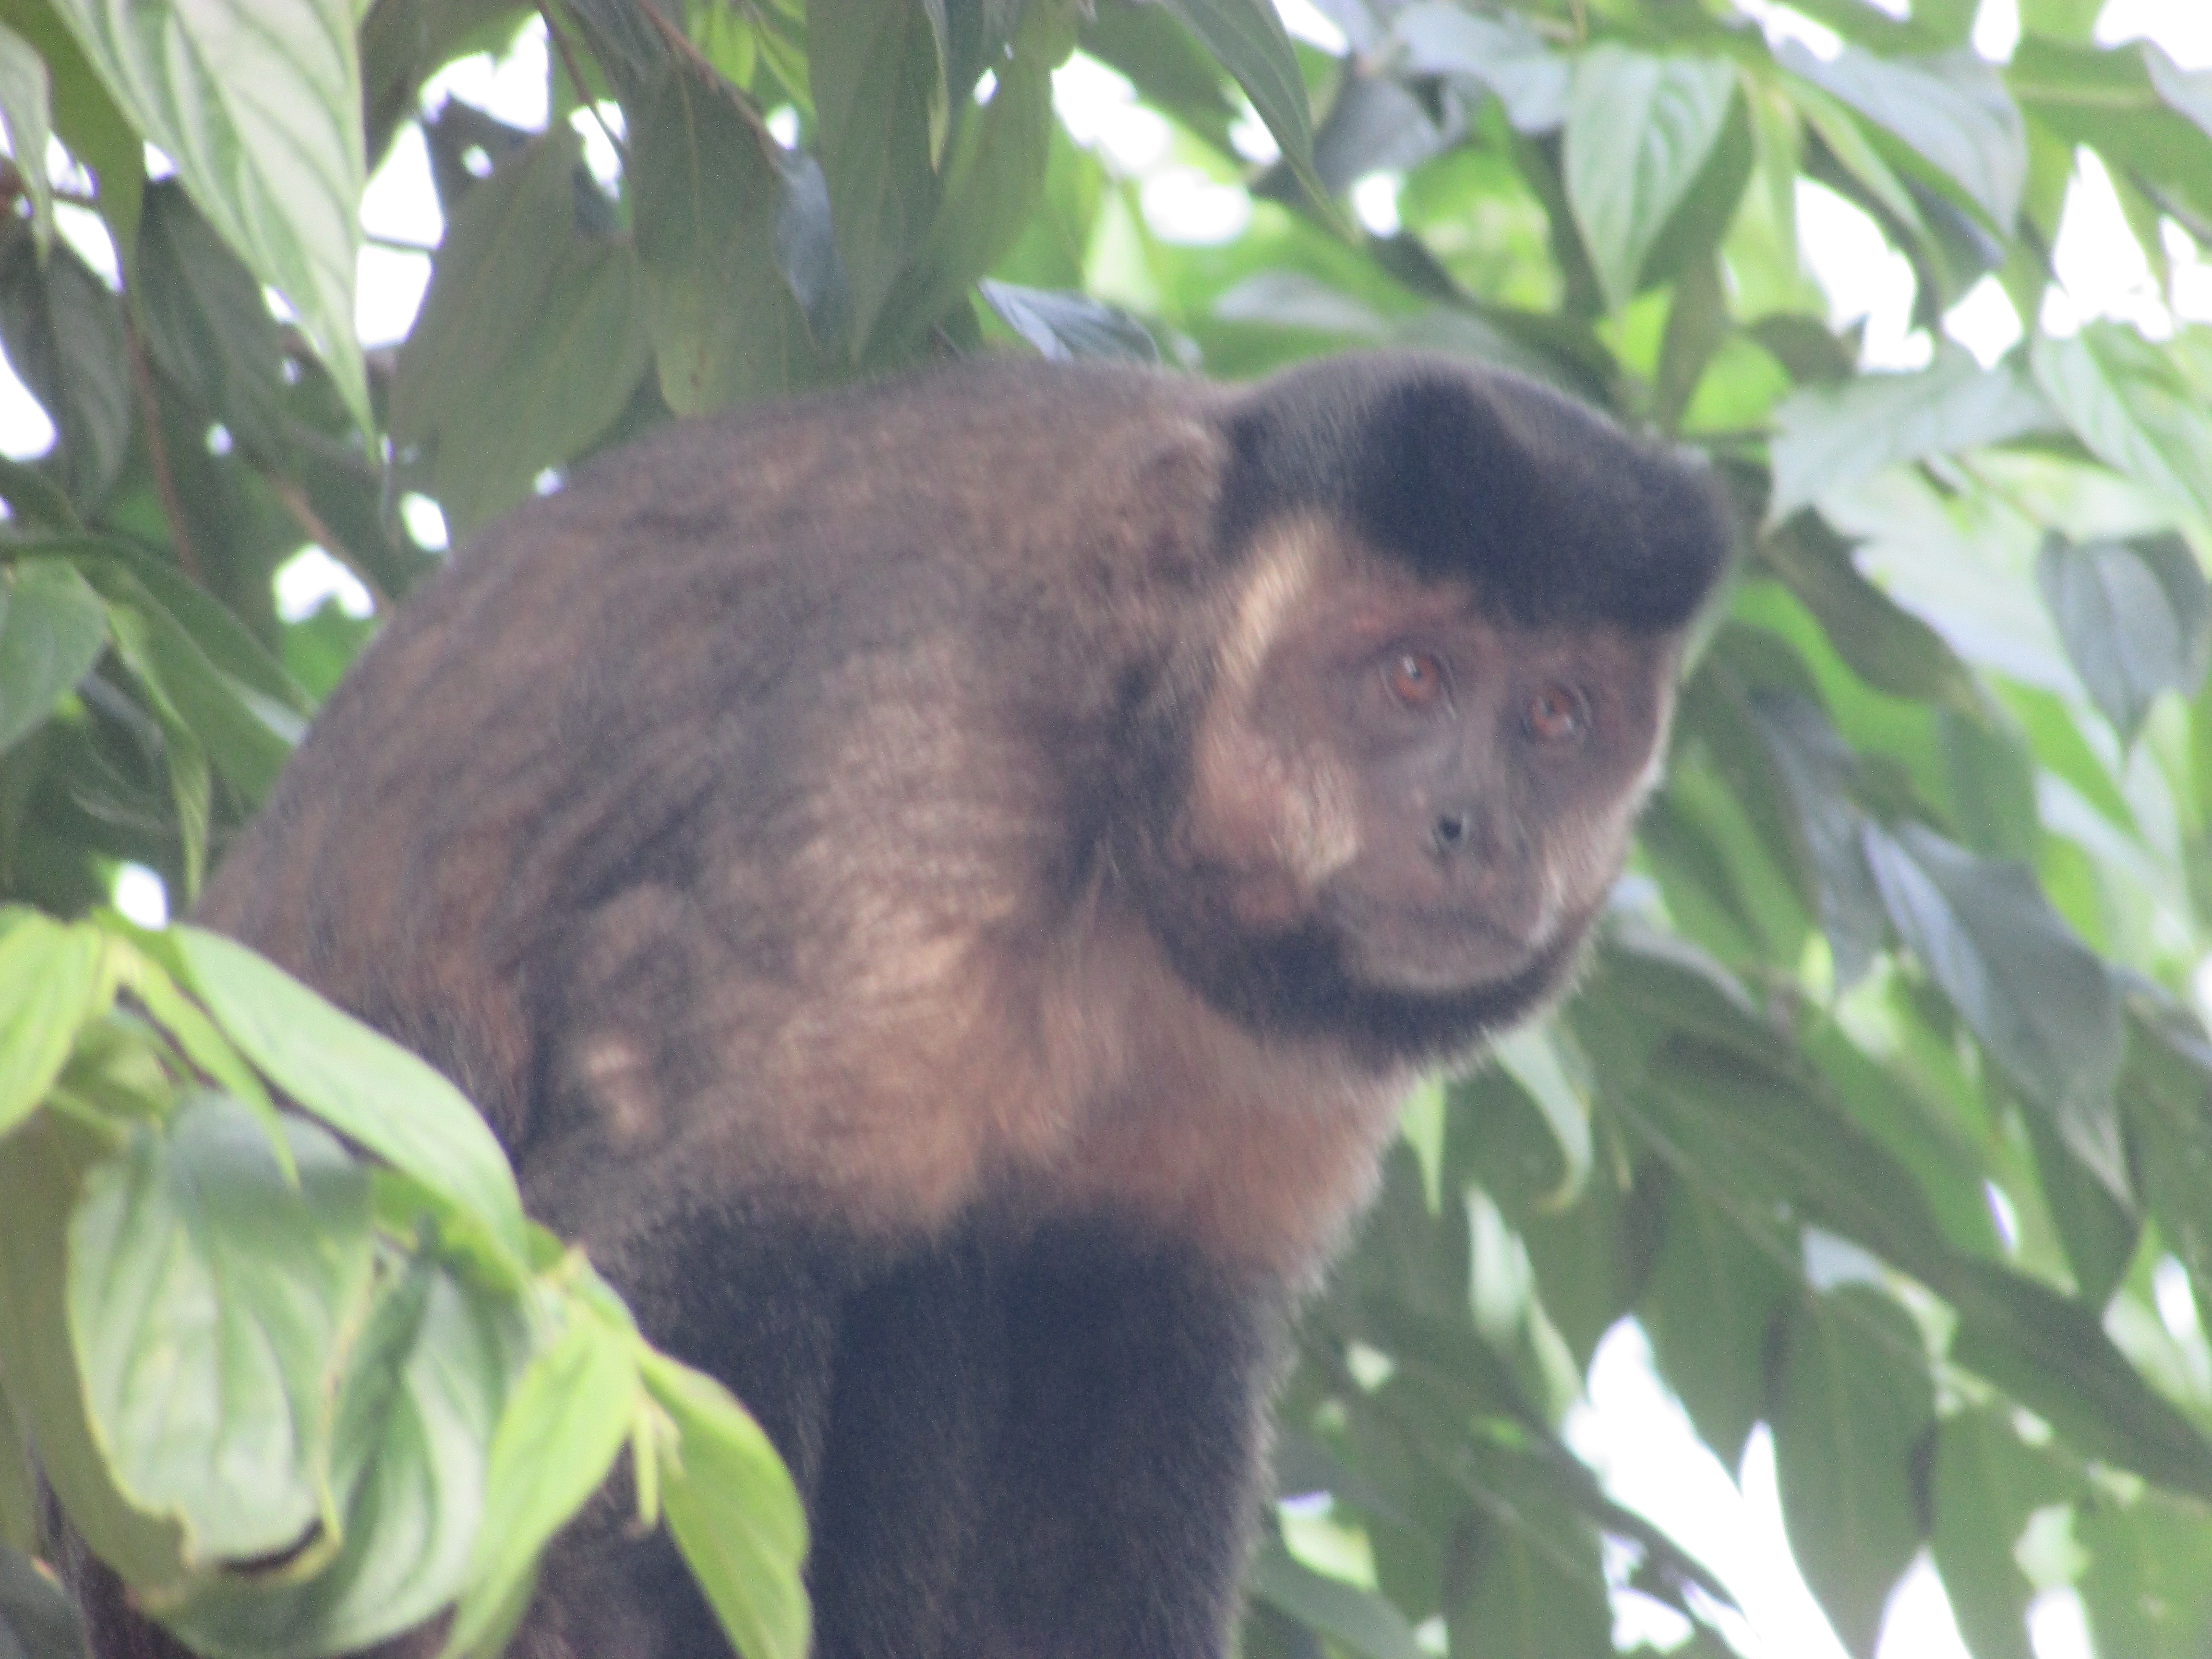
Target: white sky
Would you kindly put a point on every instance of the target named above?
(1631, 1429)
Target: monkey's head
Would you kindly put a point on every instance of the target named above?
(1455, 607)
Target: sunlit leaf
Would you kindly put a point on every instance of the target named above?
(365, 1087)
(565, 1421)
(416, 1412)
(1506, 53)
(210, 1300)
(53, 979)
(1952, 110)
(1827, 437)
(734, 1513)
(1639, 130)
(2132, 407)
(259, 103)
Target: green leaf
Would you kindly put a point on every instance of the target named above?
(710, 193)
(22, 1506)
(52, 628)
(1852, 1399)
(1951, 110)
(2168, 1076)
(1986, 1483)
(206, 322)
(41, 1166)
(1066, 326)
(248, 738)
(37, 1621)
(2051, 1354)
(1708, 1307)
(27, 108)
(1639, 130)
(85, 117)
(366, 1087)
(1360, 1620)
(876, 71)
(416, 1412)
(2186, 91)
(1247, 38)
(64, 338)
(1816, 769)
(2042, 1003)
(259, 103)
(1750, 1140)
(564, 1423)
(1524, 1568)
(209, 1301)
(233, 647)
(1828, 436)
(2136, 616)
(994, 178)
(1506, 53)
(2131, 406)
(1889, 648)
(53, 979)
(531, 339)
(734, 1512)
(2147, 1590)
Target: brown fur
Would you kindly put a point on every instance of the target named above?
(957, 831)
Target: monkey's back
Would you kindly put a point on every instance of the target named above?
(643, 693)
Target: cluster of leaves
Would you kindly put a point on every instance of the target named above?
(303, 1392)
(1882, 1109)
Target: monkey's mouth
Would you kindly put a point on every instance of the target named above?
(1438, 949)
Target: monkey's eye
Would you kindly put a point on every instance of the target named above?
(1557, 713)
(1416, 678)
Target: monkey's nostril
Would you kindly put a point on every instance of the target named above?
(1451, 830)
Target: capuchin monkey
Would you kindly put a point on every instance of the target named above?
(941, 889)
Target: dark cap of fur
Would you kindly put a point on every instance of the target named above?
(1553, 513)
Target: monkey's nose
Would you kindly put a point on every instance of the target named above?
(1463, 828)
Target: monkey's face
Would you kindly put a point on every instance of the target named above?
(1440, 795)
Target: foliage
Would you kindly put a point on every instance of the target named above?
(1883, 1107)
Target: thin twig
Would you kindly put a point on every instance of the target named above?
(577, 76)
(289, 491)
(157, 451)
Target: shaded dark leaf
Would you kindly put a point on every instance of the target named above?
(2136, 616)
(1066, 326)
(37, 1619)
(206, 322)
(64, 338)
(2041, 1002)
(52, 628)
(1852, 1399)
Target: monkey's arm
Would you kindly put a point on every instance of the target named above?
(1123, 1497)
